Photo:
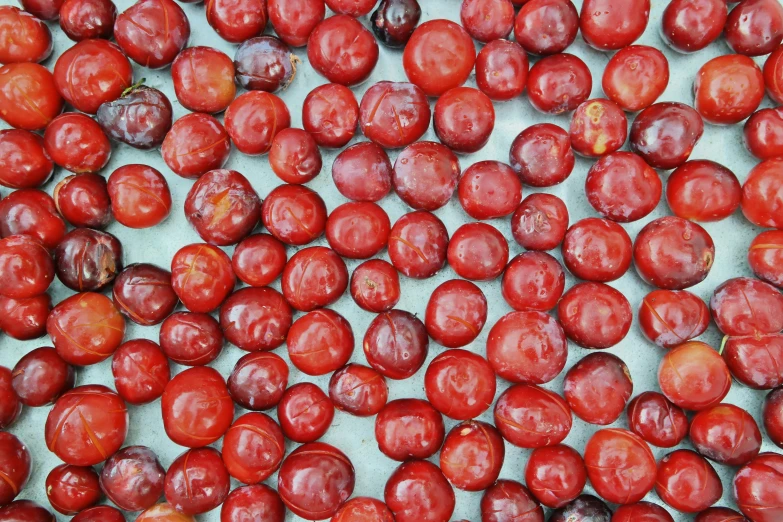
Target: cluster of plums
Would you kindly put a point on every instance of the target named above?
(62, 236)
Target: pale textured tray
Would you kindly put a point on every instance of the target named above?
(353, 435)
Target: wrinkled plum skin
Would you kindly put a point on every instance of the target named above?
(84, 201)
(88, 260)
(139, 118)
(265, 63)
(133, 478)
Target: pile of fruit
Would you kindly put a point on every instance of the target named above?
(273, 293)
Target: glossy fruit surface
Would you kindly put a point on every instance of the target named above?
(425, 175)
(41, 376)
(23, 160)
(25, 511)
(541, 155)
(363, 509)
(664, 134)
(597, 249)
(86, 328)
(223, 207)
(203, 79)
(83, 200)
(508, 500)
(26, 267)
(375, 286)
(409, 429)
(672, 317)
(418, 244)
(24, 319)
(477, 251)
(141, 117)
(472, 455)
(358, 230)
(264, 63)
(202, 277)
(92, 72)
(394, 114)
(395, 20)
(531, 417)
(152, 32)
(726, 434)
(456, 313)
(620, 465)
(598, 387)
(294, 214)
(753, 360)
(417, 491)
(773, 72)
(556, 475)
(689, 26)
(315, 479)
(545, 27)
(762, 194)
(133, 478)
(756, 28)
(527, 347)
(141, 371)
(487, 20)
(622, 187)
(757, 488)
(396, 344)
(196, 407)
(694, 376)
(594, 315)
(608, 25)
(191, 339)
(294, 21)
(305, 412)
(237, 21)
(84, 19)
(31, 212)
(656, 420)
(330, 113)
(728, 89)
(255, 319)
(687, 482)
(258, 381)
(259, 259)
(464, 119)
(100, 514)
(197, 481)
(33, 42)
(82, 416)
(143, 293)
(358, 390)
(362, 172)
(314, 277)
(635, 77)
(196, 143)
(460, 384)
(140, 196)
(76, 143)
(540, 222)
(320, 342)
(673, 253)
(702, 190)
(598, 127)
(763, 133)
(439, 56)
(501, 70)
(88, 260)
(533, 281)
(259, 501)
(253, 448)
(294, 156)
(253, 120)
(744, 306)
(342, 50)
(559, 83)
(28, 81)
(16, 467)
(489, 189)
(646, 511)
(764, 256)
